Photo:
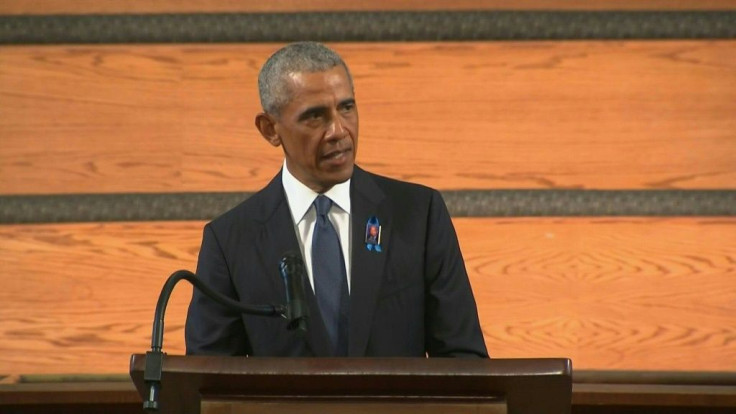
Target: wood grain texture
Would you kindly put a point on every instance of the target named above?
(636, 294)
(80, 298)
(628, 294)
(222, 6)
(608, 115)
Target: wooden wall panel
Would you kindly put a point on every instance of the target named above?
(80, 298)
(631, 115)
(628, 294)
(220, 6)
(639, 294)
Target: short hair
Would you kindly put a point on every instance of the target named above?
(293, 58)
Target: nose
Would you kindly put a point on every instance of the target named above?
(336, 129)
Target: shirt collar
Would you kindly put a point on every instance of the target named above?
(301, 197)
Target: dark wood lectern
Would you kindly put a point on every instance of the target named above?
(219, 385)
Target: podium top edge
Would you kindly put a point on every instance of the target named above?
(270, 366)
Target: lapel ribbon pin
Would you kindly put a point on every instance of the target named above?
(373, 234)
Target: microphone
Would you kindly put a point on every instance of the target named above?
(153, 369)
(291, 268)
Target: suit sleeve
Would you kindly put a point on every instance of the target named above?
(451, 317)
(212, 329)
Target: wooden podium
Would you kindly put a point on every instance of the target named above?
(219, 385)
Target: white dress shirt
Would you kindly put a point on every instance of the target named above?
(301, 199)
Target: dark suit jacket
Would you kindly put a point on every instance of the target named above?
(411, 299)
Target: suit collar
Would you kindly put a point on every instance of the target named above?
(369, 201)
(270, 200)
(276, 237)
(301, 197)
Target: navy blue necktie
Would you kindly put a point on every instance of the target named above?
(330, 277)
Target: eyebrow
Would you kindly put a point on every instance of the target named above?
(347, 101)
(312, 111)
(323, 108)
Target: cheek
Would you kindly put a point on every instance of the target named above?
(300, 145)
(353, 125)
(310, 148)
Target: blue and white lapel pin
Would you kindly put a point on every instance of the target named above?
(373, 234)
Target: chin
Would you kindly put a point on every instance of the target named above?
(341, 175)
(345, 173)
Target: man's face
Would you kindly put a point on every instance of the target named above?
(318, 128)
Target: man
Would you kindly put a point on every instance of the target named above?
(386, 276)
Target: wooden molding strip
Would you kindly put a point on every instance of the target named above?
(233, 6)
(654, 377)
(693, 394)
(64, 208)
(367, 26)
(655, 388)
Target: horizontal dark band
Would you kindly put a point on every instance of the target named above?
(367, 26)
(468, 203)
(579, 376)
(723, 378)
(564, 203)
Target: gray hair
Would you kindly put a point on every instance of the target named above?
(293, 58)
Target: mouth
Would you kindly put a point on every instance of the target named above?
(337, 156)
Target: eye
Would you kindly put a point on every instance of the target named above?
(347, 107)
(312, 115)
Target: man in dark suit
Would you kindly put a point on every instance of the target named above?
(400, 287)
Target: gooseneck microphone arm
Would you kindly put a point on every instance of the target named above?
(293, 310)
(157, 338)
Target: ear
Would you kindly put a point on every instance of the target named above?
(266, 125)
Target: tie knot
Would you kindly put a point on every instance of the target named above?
(322, 204)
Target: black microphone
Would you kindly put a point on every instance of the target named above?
(292, 270)
(153, 369)
(291, 267)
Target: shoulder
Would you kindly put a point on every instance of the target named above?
(400, 189)
(403, 195)
(256, 208)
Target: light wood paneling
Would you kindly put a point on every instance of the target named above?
(630, 294)
(204, 6)
(97, 119)
(80, 298)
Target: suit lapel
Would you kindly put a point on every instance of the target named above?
(277, 236)
(367, 267)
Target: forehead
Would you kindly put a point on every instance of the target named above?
(324, 85)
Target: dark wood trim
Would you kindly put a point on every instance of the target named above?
(367, 26)
(75, 208)
(108, 392)
(654, 377)
(593, 392)
(654, 395)
(18, 7)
